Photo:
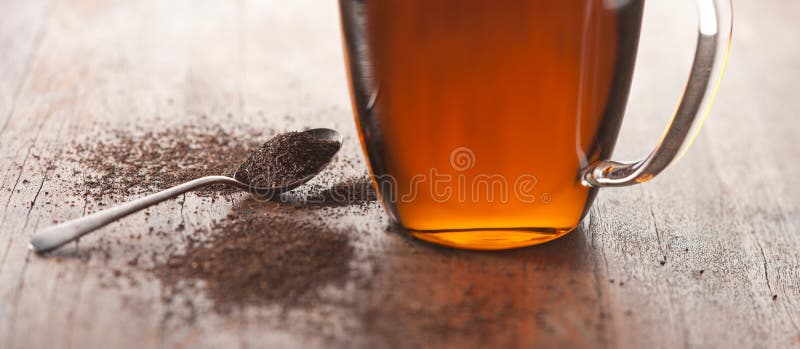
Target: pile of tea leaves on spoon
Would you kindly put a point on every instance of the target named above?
(284, 159)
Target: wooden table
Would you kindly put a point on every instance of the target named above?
(707, 255)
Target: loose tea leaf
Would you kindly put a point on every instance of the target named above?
(132, 162)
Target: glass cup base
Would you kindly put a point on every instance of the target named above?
(491, 239)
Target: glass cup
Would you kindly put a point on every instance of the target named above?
(490, 124)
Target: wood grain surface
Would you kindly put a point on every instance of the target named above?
(705, 256)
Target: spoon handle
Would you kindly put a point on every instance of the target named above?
(58, 235)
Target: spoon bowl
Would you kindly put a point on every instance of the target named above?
(325, 134)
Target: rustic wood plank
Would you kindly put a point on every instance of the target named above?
(704, 256)
(21, 31)
(20, 38)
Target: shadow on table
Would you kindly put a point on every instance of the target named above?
(541, 295)
(352, 191)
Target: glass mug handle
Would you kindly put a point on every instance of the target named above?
(713, 44)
